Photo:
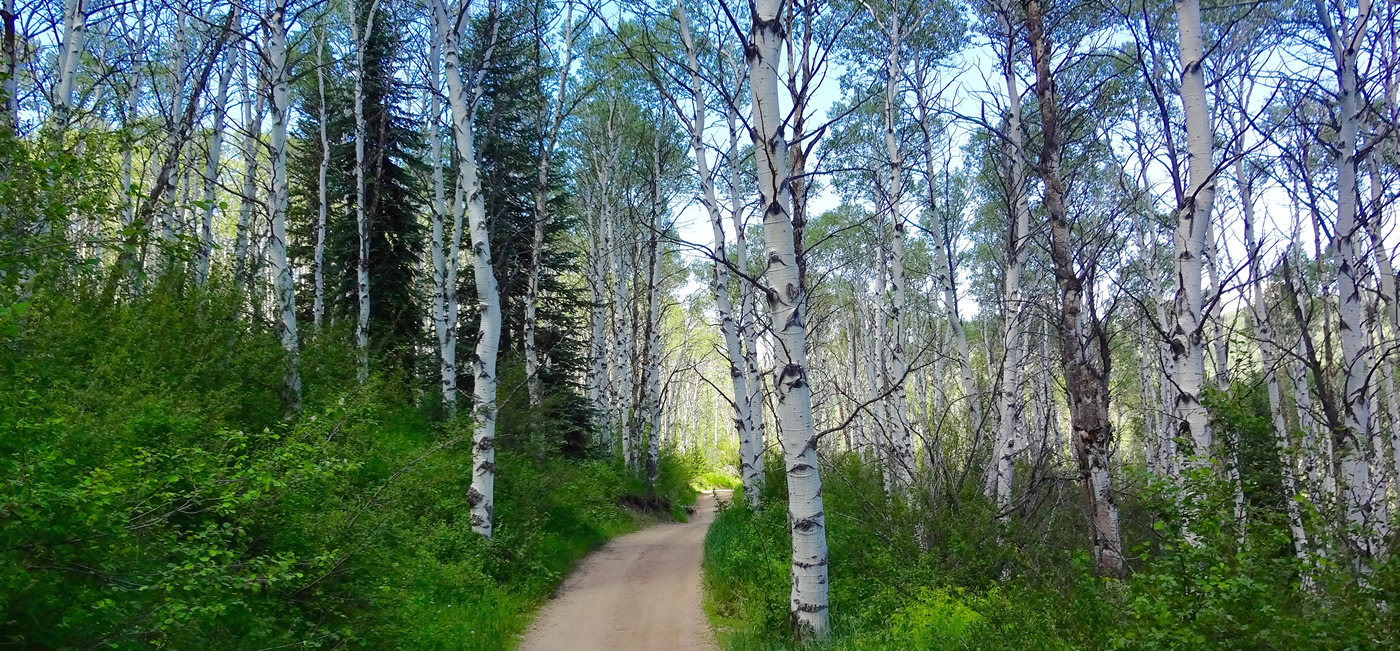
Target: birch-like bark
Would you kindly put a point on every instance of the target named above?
(211, 167)
(1268, 357)
(1352, 444)
(901, 438)
(1012, 402)
(252, 142)
(532, 291)
(749, 465)
(651, 387)
(1086, 385)
(445, 257)
(1192, 223)
(808, 606)
(464, 100)
(747, 323)
(945, 276)
(361, 219)
(284, 284)
(318, 262)
(174, 143)
(69, 55)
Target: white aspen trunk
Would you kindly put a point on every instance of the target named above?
(252, 139)
(464, 100)
(749, 453)
(944, 273)
(1190, 421)
(901, 438)
(1012, 402)
(1392, 306)
(211, 167)
(277, 246)
(69, 56)
(597, 277)
(532, 355)
(361, 219)
(747, 324)
(1353, 444)
(318, 262)
(808, 606)
(1220, 343)
(170, 217)
(444, 257)
(650, 411)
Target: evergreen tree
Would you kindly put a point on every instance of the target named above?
(394, 194)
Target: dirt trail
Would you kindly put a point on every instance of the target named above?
(640, 591)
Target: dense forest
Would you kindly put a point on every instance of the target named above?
(1011, 323)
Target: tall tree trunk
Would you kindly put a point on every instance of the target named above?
(747, 324)
(464, 100)
(1192, 224)
(360, 38)
(284, 284)
(1012, 396)
(532, 355)
(70, 53)
(211, 167)
(651, 389)
(743, 420)
(808, 605)
(252, 142)
(318, 262)
(1354, 440)
(445, 258)
(1085, 384)
(901, 438)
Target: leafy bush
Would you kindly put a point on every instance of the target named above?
(156, 493)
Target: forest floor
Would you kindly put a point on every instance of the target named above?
(640, 591)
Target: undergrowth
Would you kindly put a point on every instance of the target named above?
(156, 493)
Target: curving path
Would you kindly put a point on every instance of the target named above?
(640, 591)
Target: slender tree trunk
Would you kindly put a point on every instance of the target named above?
(318, 262)
(211, 168)
(901, 438)
(808, 606)
(743, 421)
(284, 283)
(532, 355)
(1085, 384)
(9, 88)
(69, 57)
(252, 142)
(1192, 224)
(464, 100)
(747, 324)
(1012, 400)
(361, 41)
(1353, 442)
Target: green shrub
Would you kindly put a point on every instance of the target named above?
(157, 494)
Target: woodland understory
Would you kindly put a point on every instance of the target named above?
(1013, 323)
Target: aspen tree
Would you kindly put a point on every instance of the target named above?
(277, 246)
(211, 167)
(1352, 443)
(1086, 386)
(1192, 224)
(319, 257)
(360, 38)
(749, 463)
(464, 97)
(541, 216)
(808, 605)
